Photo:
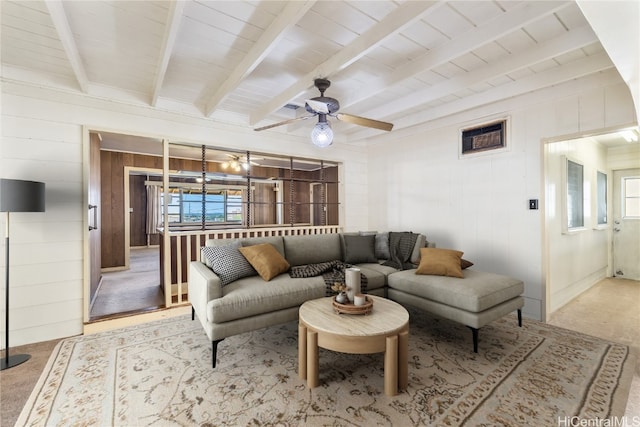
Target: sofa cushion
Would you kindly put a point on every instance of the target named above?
(358, 249)
(421, 242)
(465, 264)
(276, 241)
(215, 242)
(382, 245)
(251, 296)
(376, 274)
(228, 263)
(440, 262)
(266, 260)
(477, 292)
(342, 249)
(312, 249)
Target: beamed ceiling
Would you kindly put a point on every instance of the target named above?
(251, 63)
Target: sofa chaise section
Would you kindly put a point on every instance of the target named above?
(474, 300)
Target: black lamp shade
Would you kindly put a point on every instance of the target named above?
(21, 196)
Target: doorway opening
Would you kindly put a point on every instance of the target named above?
(582, 219)
(134, 287)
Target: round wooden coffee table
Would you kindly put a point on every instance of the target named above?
(385, 329)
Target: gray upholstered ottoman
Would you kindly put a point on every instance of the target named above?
(476, 300)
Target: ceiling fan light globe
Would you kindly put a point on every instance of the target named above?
(322, 135)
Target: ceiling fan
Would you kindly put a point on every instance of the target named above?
(237, 163)
(323, 106)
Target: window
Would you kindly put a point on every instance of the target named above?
(631, 197)
(185, 206)
(250, 189)
(601, 201)
(233, 209)
(573, 177)
(174, 207)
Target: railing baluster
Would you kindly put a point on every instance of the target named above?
(178, 270)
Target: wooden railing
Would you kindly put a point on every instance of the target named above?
(184, 247)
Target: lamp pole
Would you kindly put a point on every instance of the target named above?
(6, 287)
(16, 196)
(9, 361)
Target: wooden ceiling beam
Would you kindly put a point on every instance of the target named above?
(61, 24)
(403, 16)
(572, 40)
(511, 20)
(289, 16)
(174, 17)
(536, 82)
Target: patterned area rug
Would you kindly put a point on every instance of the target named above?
(160, 374)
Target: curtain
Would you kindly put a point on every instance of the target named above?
(154, 210)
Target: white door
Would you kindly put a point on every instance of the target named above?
(626, 223)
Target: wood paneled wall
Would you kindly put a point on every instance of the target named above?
(112, 166)
(264, 212)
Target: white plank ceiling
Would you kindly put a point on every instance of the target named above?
(242, 61)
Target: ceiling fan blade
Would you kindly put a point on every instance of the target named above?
(362, 121)
(285, 122)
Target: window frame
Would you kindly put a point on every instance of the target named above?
(567, 198)
(624, 197)
(193, 190)
(601, 200)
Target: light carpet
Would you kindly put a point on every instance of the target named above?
(160, 374)
(137, 288)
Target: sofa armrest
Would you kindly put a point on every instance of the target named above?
(207, 277)
(204, 286)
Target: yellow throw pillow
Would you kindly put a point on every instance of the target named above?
(266, 259)
(440, 262)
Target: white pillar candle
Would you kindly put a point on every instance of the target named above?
(359, 299)
(352, 280)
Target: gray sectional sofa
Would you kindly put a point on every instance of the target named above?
(238, 300)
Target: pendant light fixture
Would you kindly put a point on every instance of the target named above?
(322, 134)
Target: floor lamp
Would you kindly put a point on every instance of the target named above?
(16, 196)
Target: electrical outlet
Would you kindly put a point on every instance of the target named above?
(533, 203)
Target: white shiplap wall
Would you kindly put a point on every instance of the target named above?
(480, 204)
(42, 139)
(46, 248)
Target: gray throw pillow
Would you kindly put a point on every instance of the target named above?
(382, 246)
(359, 249)
(228, 262)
